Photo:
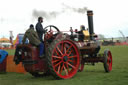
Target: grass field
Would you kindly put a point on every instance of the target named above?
(92, 75)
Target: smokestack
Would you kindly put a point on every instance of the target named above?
(90, 23)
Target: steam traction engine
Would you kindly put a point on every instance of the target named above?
(65, 54)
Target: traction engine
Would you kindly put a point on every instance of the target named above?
(65, 54)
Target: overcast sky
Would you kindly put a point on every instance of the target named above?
(110, 16)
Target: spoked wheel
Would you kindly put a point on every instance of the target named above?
(107, 61)
(63, 59)
(51, 30)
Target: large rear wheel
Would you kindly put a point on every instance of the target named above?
(63, 58)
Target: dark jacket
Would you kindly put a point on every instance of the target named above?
(81, 35)
(32, 37)
(39, 28)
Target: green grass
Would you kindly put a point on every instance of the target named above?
(10, 51)
(92, 75)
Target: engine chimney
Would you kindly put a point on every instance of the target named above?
(90, 23)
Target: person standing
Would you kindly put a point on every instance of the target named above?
(39, 28)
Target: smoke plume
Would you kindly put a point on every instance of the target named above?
(78, 10)
(47, 15)
(54, 14)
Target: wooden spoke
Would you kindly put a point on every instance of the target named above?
(58, 64)
(71, 65)
(62, 68)
(55, 61)
(69, 48)
(57, 57)
(59, 69)
(65, 70)
(59, 50)
(75, 56)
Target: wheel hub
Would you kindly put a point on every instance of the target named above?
(65, 58)
(109, 60)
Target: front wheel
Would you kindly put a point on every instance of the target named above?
(107, 61)
(63, 59)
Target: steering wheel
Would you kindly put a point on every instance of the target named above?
(50, 31)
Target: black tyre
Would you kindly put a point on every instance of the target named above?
(63, 58)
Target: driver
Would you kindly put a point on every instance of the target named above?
(34, 40)
(39, 28)
(81, 35)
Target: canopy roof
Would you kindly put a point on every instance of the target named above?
(4, 40)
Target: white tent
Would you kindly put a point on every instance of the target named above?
(5, 44)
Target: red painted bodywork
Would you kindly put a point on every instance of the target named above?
(31, 61)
